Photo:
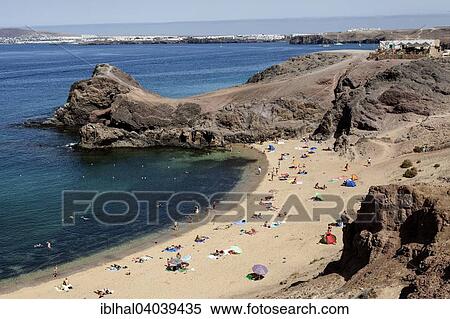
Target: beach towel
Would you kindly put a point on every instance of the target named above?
(235, 249)
(254, 277)
(240, 222)
(350, 183)
(63, 288)
(275, 224)
(186, 258)
(113, 269)
(171, 250)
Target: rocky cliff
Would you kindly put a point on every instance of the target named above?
(111, 109)
(397, 246)
(340, 95)
(382, 100)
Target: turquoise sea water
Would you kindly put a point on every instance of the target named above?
(36, 165)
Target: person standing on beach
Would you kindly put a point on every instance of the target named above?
(55, 272)
(259, 170)
(369, 162)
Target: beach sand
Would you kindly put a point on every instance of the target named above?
(292, 249)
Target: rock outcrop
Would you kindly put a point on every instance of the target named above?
(338, 95)
(111, 109)
(380, 101)
(298, 66)
(398, 245)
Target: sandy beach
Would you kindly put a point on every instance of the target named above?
(291, 248)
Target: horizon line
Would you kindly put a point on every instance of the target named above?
(236, 20)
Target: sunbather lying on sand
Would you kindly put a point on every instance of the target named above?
(250, 232)
(257, 216)
(201, 239)
(141, 260)
(116, 267)
(172, 248)
(218, 253)
(66, 286)
(176, 267)
(223, 227)
(320, 187)
(104, 292)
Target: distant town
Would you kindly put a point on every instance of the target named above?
(355, 35)
(21, 36)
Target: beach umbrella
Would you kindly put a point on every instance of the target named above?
(175, 262)
(260, 270)
(236, 249)
(313, 148)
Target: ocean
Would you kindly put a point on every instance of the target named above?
(36, 165)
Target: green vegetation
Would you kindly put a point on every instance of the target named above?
(410, 173)
(406, 164)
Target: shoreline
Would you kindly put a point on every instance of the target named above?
(291, 251)
(133, 246)
(310, 262)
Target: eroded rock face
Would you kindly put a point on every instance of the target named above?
(366, 105)
(397, 246)
(391, 219)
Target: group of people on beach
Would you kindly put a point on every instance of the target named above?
(178, 263)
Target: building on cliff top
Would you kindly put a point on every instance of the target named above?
(408, 49)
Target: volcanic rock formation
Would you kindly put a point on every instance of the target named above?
(111, 109)
(399, 243)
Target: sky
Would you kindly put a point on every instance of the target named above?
(61, 12)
